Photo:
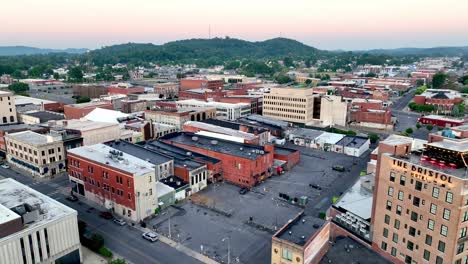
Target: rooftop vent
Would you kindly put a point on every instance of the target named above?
(290, 232)
(195, 138)
(214, 142)
(241, 148)
(303, 237)
(303, 220)
(189, 153)
(171, 179)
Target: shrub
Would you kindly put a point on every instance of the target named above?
(334, 199)
(373, 137)
(418, 126)
(322, 215)
(409, 131)
(117, 261)
(103, 251)
(429, 127)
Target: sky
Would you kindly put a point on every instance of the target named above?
(325, 24)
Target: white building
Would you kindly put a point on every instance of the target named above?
(223, 110)
(35, 228)
(7, 108)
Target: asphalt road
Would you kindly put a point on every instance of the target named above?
(126, 241)
(404, 100)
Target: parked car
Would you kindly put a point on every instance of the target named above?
(72, 198)
(106, 215)
(243, 190)
(150, 236)
(315, 186)
(119, 221)
(5, 166)
(338, 168)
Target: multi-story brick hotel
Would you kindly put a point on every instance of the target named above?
(420, 206)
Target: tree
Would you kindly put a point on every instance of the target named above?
(421, 89)
(409, 131)
(308, 81)
(18, 87)
(373, 137)
(429, 127)
(288, 62)
(282, 79)
(438, 80)
(418, 126)
(75, 74)
(81, 100)
(419, 82)
(370, 74)
(56, 76)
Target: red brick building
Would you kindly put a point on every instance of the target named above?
(196, 83)
(441, 121)
(442, 100)
(116, 180)
(125, 90)
(255, 102)
(77, 111)
(242, 164)
(290, 156)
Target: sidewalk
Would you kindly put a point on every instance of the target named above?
(187, 251)
(90, 257)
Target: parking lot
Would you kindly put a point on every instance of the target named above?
(220, 212)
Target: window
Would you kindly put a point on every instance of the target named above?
(403, 180)
(441, 246)
(395, 238)
(387, 219)
(418, 186)
(393, 252)
(401, 194)
(449, 197)
(439, 260)
(150, 178)
(446, 215)
(433, 209)
(286, 254)
(390, 191)
(389, 205)
(385, 232)
(383, 246)
(435, 192)
(414, 216)
(150, 191)
(428, 240)
(463, 232)
(398, 209)
(416, 201)
(410, 245)
(465, 216)
(396, 225)
(427, 255)
(443, 230)
(412, 231)
(392, 176)
(430, 224)
(460, 248)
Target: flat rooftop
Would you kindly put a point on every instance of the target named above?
(89, 104)
(101, 153)
(139, 152)
(29, 137)
(25, 100)
(221, 130)
(233, 125)
(45, 116)
(7, 215)
(13, 194)
(179, 153)
(347, 250)
(21, 126)
(217, 145)
(175, 182)
(357, 200)
(284, 151)
(266, 120)
(352, 141)
(306, 133)
(301, 229)
(416, 159)
(85, 125)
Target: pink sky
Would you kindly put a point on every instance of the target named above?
(330, 24)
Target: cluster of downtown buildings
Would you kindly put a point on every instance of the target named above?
(133, 151)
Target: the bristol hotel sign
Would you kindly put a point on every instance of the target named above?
(422, 173)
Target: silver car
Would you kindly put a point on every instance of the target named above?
(150, 236)
(119, 221)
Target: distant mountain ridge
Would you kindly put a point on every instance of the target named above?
(24, 50)
(435, 51)
(202, 49)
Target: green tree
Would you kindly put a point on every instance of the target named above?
(103, 251)
(438, 80)
(75, 74)
(18, 87)
(288, 62)
(81, 100)
(429, 127)
(56, 76)
(418, 126)
(421, 89)
(17, 74)
(419, 82)
(373, 137)
(308, 81)
(409, 131)
(282, 79)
